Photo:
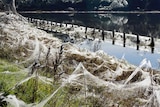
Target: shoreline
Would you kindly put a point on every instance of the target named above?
(92, 12)
(78, 33)
(91, 33)
(81, 75)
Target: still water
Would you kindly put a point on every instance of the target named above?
(139, 24)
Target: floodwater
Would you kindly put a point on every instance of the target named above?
(142, 24)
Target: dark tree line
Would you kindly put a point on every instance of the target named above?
(9, 5)
(141, 5)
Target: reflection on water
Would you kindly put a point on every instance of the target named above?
(139, 24)
(131, 55)
(142, 24)
(112, 19)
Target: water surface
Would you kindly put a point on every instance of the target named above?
(143, 24)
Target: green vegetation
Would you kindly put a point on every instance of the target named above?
(61, 75)
(10, 74)
(36, 88)
(7, 66)
(33, 90)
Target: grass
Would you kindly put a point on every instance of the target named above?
(9, 79)
(33, 90)
(8, 66)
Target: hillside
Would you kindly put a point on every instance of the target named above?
(127, 5)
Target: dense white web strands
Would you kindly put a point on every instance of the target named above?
(97, 75)
(36, 51)
(46, 80)
(35, 43)
(144, 62)
(75, 78)
(25, 80)
(10, 73)
(42, 104)
(157, 93)
(14, 102)
(80, 71)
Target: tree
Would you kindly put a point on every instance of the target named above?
(10, 6)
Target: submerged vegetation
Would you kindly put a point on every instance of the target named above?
(38, 70)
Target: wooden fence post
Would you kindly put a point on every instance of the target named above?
(103, 34)
(113, 34)
(85, 29)
(124, 39)
(138, 42)
(93, 32)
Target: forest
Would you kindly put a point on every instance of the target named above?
(87, 5)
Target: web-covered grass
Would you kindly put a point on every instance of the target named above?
(38, 70)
